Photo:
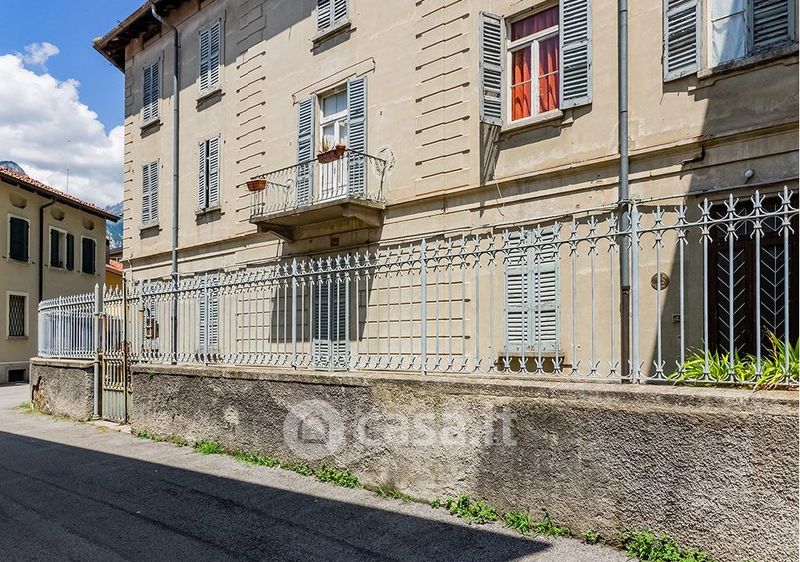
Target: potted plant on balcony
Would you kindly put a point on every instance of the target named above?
(328, 152)
(256, 184)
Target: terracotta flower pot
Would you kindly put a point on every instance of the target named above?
(331, 155)
(256, 185)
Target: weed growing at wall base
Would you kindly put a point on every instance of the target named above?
(522, 522)
(649, 547)
(473, 510)
(208, 448)
(391, 491)
(26, 407)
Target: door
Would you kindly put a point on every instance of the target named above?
(333, 131)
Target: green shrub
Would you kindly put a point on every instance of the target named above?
(648, 547)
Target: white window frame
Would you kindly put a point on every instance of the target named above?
(8, 238)
(95, 255)
(533, 42)
(62, 245)
(708, 33)
(26, 327)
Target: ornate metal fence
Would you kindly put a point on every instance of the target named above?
(714, 295)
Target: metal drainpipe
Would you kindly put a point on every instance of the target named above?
(624, 192)
(175, 170)
(41, 248)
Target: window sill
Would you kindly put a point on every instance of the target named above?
(208, 210)
(152, 124)
(748, 62)
(533, 122)
(17, 338)
(15, 260)
(331, 31)
(204, 97)
(149, 227)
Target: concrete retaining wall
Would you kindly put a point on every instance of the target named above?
(62, 388)
(716, 468)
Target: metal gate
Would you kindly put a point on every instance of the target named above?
(115, 399)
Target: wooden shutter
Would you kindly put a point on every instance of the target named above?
(339, 11)
(214, 53)
(18, 245)
(147, 94)
(154, 191)
(576, 52)
(771, 23)
(204, 59)
(323, 15)
(155, 92)
(88, 255)
(357, 135)
(55, 250)
(491, 69)
(213, 172)
(202, 175)
(146, 218)
(70, 252)
(305, 149)
(681, 38)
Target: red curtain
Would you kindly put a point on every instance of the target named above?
(521, 84)
(548, 75)
(521, 65)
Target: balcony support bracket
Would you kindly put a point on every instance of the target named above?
(370, 216)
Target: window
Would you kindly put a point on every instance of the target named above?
(330, 328)
(535, 64)
(735, 29)
(531, 293)
(333, 131)
(58, 248)
(150, 93)
(533, 53)
(18, 238)
(150, 194)
(16, 375)
(88, 255)
(208, 176)
(330, 13)
(210, 39)
(17, 315)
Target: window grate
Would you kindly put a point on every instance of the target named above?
(16, 316)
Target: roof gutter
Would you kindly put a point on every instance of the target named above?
(175, 169)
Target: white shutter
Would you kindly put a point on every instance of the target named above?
(213, 172)
(208, 316)
(516, 296)
(576, 52)
(544, 288)
(305, 149)
(147, 93)
(155, 90)
(491, 69)
(154, 191)
(357, 135)
(681, 38)
(204, 59)
(771, 23)
(323, 15)
(339, 11)
(146, 195)
(202, 175)
(728, 30)
(214, 53)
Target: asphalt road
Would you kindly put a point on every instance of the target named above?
(72, 491)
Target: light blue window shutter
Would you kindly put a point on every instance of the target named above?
(576, 52)
(323, 15)
(146, 218)
(208, 315)
(305, 149)
(204, 59)
(339, 11)
(491, 69)
(147, 94)
(202, 175)
(544, 291)
(213, 172)
(154, 191)
(155, 90)
(357, 136)
(771, 23)
(516, 296)
(214, 53)
(681, 38)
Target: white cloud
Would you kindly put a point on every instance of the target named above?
(46, 129)
(38, 53)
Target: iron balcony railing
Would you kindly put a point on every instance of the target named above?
(351, 176)
(714, 288)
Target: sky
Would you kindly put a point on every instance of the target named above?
(61, 104)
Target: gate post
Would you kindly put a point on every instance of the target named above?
(98, 311)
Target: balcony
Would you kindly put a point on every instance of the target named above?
(344, 187)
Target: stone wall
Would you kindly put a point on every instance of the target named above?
(717, 468)
(62, 387)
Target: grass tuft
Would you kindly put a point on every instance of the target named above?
(592, 537)
(26, 407)
(256, 459)
(344, 478)
(390, 491)
(523, 523)
(208, 448)
(649, 547)
(473, 510)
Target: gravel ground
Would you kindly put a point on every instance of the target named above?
(71, 491)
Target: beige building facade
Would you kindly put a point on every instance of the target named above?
(478, 113)
(52, 244)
